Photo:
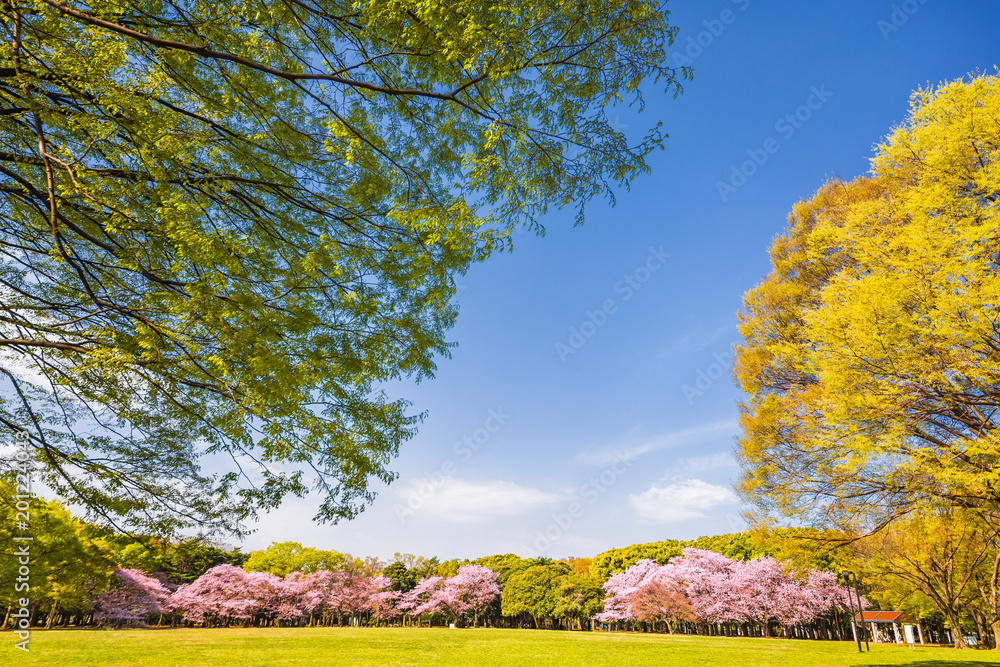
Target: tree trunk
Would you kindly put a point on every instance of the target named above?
(980, 629)
(996, 634)
(956, 631)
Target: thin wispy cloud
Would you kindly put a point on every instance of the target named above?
(697, 340)
(702, 464)
(632, 448)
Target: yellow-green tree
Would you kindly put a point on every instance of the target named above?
(283, 558)
(229, 225)
(936, 555)
(871, 353)
(68, 562)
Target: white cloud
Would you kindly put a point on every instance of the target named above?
(608, 454)
(687, 499)
(457, 500)
(23, 370)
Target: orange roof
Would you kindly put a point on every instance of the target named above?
(884, 617)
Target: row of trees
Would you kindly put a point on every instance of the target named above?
(939, 566)
(698, 586)
(227, 595)
(707, 587)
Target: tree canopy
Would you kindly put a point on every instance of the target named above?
(283, 558)
(226, 226)
(534, 591)
(739, 546)
(938, 559)
(871, 354)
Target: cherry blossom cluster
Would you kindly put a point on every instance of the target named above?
(470, 591)
(227, 594)
(709, 587)
(132, 597)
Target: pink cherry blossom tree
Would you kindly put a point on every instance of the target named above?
(473, 588)
(385, 604)
(422, 599)
(654, 603)
(309, 591)
(222, 594)
(620, 590)
(132, 598)
(477, 587)
(716, 589)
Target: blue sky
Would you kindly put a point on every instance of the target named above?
(533, 451)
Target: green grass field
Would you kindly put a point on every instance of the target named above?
(439, 646)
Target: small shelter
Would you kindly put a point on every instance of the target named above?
(896, 619)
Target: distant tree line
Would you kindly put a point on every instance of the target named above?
(939, 568)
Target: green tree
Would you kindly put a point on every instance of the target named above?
(230, 226)
(402, 578)
(448, 568)
(68, 562)
(578, 597)
(406, 570)
(799, 548)
(617, 560)
(503, 564)
(871, 355)
(186, 560)
(282, 558)
(578, 565)
(739, 546)
(138, 556)
(533, 591)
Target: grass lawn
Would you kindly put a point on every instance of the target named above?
(439, 646)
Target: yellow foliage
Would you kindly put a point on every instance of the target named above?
(872, 350)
